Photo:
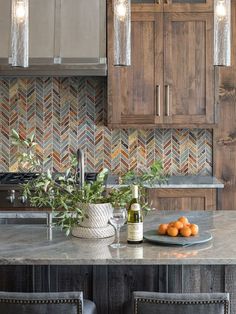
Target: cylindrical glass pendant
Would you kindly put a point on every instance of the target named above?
(20, 33)
(122, 32)
(222, 32)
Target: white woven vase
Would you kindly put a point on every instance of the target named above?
(96, 215)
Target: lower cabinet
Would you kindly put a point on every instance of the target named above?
(182, 199)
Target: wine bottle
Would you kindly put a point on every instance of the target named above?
(135, 219)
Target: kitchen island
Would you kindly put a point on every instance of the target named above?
(31, 262)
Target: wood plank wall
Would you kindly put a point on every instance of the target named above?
(224, 154)
(111, 286)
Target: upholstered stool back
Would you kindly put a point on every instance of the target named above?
(45, 303)
(180, 303)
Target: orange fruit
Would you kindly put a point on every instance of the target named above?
(178, 224)
(171, 223)
(172, 231)
(184, 220)
(185, 232)
(187, 225)
(194, 229)
(162, 229)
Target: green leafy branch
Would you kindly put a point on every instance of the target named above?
(27, 152)
(64, 196)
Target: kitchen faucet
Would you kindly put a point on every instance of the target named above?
(80, 159)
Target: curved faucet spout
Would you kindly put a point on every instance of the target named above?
(80, 159)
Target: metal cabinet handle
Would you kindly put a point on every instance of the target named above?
(158, 101)
(167, 98)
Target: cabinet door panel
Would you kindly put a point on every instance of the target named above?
(188, 6)
(183, 203)
(188, 68)
(135, 92)
(147, 6)
(182, 199)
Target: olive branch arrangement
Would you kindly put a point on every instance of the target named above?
(62, 194)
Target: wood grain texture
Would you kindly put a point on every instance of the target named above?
(224, 144)
(111, 287)
(132, 90)
(171, 79)
(183, 199)
(188, 67)
(172, 6)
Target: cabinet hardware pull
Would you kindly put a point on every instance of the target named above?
(167, 97)
(158, 101)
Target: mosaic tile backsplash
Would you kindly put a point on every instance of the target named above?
(68, 113)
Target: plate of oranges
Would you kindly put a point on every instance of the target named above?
(178, 232)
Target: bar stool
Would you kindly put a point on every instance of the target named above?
(45, 303)
(180, 303)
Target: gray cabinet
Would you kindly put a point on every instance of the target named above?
(66, 37)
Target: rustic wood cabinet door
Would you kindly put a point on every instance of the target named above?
(183, 199)
(188, 68)
(135, 93)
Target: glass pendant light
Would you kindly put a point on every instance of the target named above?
(20, 33)
(122, 32)
(222, 32)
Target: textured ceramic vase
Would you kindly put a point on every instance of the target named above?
(95, 223)
(96, 215)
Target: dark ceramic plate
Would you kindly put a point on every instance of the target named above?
(152, 236)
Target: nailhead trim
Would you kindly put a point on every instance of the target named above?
(144, 300)
(51, 301)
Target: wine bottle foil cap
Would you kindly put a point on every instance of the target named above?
(135, 191)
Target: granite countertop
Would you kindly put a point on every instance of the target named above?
(191, 182)
(28, 244)
(186, 182)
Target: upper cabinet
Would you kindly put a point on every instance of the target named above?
(171, 79)
(172, 5)
(188, 68)
(66, 37)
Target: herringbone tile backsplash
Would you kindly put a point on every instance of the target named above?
(68, 113)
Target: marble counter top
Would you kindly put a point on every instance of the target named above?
(29, 244)
(186, 182)
(191, 182)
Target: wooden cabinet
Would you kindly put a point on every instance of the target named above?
(171, 79)
(173, 5)
(65, 36)
(132, 90)
(188, 68)
(183, 199)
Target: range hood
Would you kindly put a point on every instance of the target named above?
(66, 38)
(66, 69)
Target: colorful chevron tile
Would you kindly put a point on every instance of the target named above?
(69, 113)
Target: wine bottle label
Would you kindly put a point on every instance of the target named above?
(135, 207)
(135, 231)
